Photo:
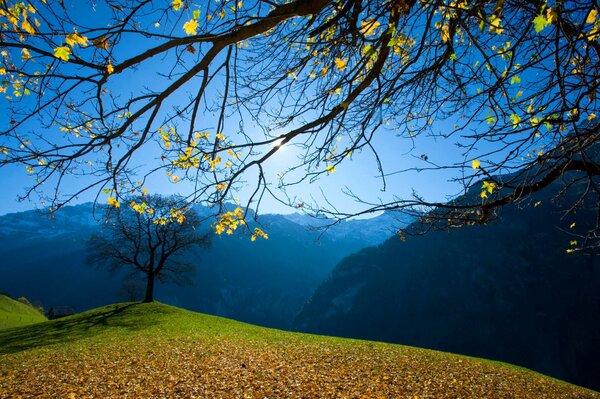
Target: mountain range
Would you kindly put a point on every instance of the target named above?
(264, 282)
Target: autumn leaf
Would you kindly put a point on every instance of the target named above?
(539, 23)
(111, 201)
(177, 4)
(27, 27)
(76, 38)
(330, 169)
(101, 43)
(25, 55)
(341, 63)
(191, 27)
(369, 27)
(516, 119)
(62, 53)
(551, 15)
(190, 49)
(109, 68)
(496, 24)
(591, 18)
(475, 164)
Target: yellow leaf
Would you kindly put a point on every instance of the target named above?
(25, 55)
(445, 32)
(76, 38)
(572, 225)
(27, 27)
(486, 188)
(341, 63)
(551, 15)
(177, 4)
(475, 164)
(368, 27)
(591, 18)
(496, 24)
(109, 68)
(330, 169)
(62, 53)
(191, 27)
(113, 202)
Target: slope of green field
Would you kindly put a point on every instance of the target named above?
(159, 351)
(14, 313)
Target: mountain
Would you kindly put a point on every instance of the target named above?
(264, 282)
(507, 291)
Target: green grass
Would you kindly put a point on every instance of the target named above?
(15, 314)
(155, 350)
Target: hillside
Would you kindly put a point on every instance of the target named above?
(15, 314)
(507, 291)
(175, 353)
(267, 283)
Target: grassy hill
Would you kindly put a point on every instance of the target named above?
(156, 351)
(15, 314)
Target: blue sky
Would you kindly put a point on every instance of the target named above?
(358, 174)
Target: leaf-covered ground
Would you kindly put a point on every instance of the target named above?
(14, 313)
(158, 351)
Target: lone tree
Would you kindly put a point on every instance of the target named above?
(209, 92)
(148, 238)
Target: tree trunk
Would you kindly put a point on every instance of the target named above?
(149, 288)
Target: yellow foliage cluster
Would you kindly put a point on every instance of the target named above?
(189, 159)
(258, 233)
(18, 15)
(486, 188)
(141, 208)
(230, 221)
(112, 201)
(174, 215)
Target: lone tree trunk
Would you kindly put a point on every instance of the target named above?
(149, 288)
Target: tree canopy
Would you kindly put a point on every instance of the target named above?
(148, 238)
(516, 82)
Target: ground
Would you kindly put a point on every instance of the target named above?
(159, 351)
(14, 313)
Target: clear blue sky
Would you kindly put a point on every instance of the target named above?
(358, 174)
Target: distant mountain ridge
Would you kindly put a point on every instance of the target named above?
(265, 282)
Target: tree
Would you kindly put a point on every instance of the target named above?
(517, 83)
(148, 238)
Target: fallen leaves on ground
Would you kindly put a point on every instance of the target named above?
(186, 368)
(234, 360)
